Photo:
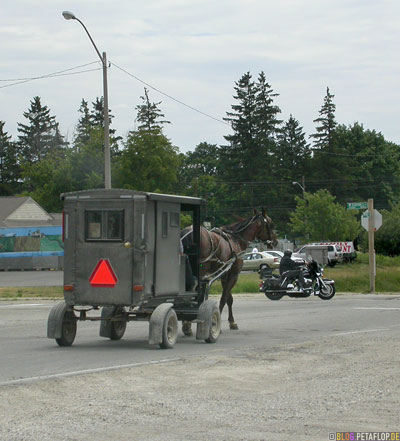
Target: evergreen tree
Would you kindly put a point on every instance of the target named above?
(238, 154)
(293, 153)
(249, 158)
(84, 126)
(266, 113)
(9, 168)
(328, 154)
(97, 115)
(149, 115)
(325, 130)
(148, 161)
(41, 136)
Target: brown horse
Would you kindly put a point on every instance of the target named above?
(222, 247)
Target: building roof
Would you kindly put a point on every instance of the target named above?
(24, 212)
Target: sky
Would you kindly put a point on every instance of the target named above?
(194, 51)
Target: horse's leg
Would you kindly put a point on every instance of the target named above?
(187, 328)
(228, 284)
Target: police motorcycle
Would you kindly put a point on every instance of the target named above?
(275, 286)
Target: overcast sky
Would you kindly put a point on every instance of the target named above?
(195, 50)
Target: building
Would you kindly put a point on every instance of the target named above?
(30, 238)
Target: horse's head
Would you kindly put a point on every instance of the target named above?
(265, 231)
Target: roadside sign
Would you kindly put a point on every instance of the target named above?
(357, 205)
(377, 220)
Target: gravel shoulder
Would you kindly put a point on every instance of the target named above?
(305, 391)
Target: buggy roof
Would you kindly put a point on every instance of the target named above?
(129, 194)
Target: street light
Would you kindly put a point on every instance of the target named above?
(107, 167)
(298, 183)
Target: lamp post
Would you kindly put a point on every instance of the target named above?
(301, 186)
(107, 164)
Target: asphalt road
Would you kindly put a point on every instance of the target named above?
(27, 355)
(31, 278)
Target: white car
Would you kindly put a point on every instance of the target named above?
(279, 254)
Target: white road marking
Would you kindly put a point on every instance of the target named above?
(85, 371)
(361, 331)
(373, 308)
(24, 305)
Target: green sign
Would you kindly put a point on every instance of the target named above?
(357, 205)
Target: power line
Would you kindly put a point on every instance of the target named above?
(170, 97)
(51, 75)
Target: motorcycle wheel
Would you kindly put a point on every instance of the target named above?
(274, 295)
(327, 293)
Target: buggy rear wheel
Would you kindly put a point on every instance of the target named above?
(169, 330)
(68, 329)
(118, 327)
(215, 325)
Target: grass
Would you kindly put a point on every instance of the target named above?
(31, 292)
(352, 277)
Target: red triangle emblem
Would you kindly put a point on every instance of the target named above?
(103, 275)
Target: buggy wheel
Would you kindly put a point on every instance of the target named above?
(327, 293)
(118, 327)
(169, 330)
(215, 325)
(274, 295)
(68, 329)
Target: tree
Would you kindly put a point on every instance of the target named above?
(203, 161)
(387, 238)
(41, 135)
(9, 167)
(318, 217)
(293, 153)
(367, 166)
(249, 158)
(241, 148)
(148, 161)
(149, 115)
(97, 115)
(327, 124)
(84, 126)
(327, 157)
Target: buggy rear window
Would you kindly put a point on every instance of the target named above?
(104, 225)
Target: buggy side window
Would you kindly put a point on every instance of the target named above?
(104, 225)
(93, 225)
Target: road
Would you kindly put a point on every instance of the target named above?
(26, 353)
(31, 278)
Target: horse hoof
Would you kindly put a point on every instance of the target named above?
(233, 325)
(187, 329)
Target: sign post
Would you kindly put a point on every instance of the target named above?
(371, 220)
(371, 246)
